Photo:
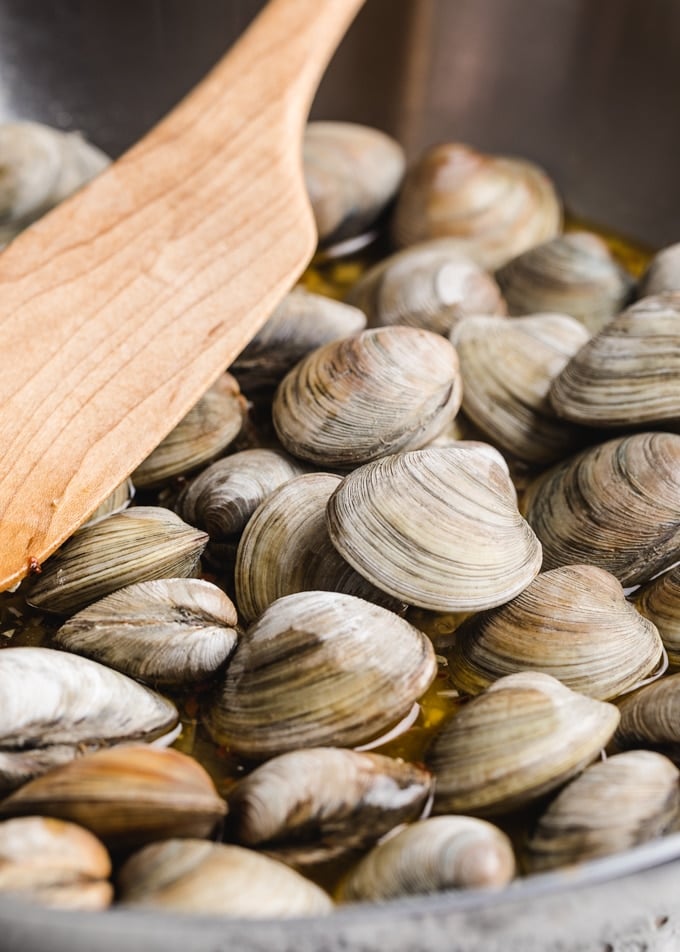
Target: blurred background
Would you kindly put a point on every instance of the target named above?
(591, 90)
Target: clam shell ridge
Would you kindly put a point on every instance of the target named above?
(628, 375)
(382, 391)
(167, 631)
(524, 736)
(319, 669)
(616, 505)
(651, 717)
(659, 600)
(438, 528)
(574, 623)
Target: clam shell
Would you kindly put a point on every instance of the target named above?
(207, 429)
(312, 805)
(430, 285)
(443, 852)
(508, 366)
(302, 322)
(438, 528)
(659, 600)
(222, 498)
(117, 501)
(167, 631)
(572, 274)
(628, 375)
(621, 802)
(616, 505)
(319, 669)
(54, 864)
(355, 400)
(351, 173)
(285, 548)
(127, 796)
(142, 543)
(573, 623)
(51, 699)
(651, 718)
(495, 207)
(663, 273)
(192, 876)
(524, 736)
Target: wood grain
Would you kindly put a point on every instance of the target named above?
(120, 307)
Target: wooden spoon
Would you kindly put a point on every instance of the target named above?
(122, 306)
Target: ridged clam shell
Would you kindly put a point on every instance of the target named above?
(659, 600)
(495, 207)
(127, 796)
(442, 852)
(285, 548)
(117, 501)
(193, 876)
(573, 623)
(628, 375)
(351, 172)
(41, 167)
(524, 736)
(207, 429)
(167, 631)
(382, 391)
(616, 505)
(302, 322)
(621, 802)
(53, 863)
(572, 274)
(430, 285)
(311, 805)
(52, 699)
(319, 669)
(508, 366)
(663, 273)
(438, 528)
(222, 498)
(142, 543)
(651, 718)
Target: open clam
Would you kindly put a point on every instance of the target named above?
(495, 207)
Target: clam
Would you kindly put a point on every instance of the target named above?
(628, 375)
(438, 528)
(193, 876)
(573, 623)
(524, 736)
(352, 172)
(126, 796)
(663, 272)
(316, 804)
(142, 543)
(443, 852)
(222, 498)
(495, 207)
(319, 669)
(508, 366)
(40, 166)
(117, 501)
(620, 802)
(651, 718)
(382, 391)
(54, 864)
(429, 285)
(301, 323)
(659, 600)
(572, 274)
(207, 429)
(285, 548)
(166, 631)
(55, 704)
(616, 505)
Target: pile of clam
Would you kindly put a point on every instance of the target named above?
(393, 608)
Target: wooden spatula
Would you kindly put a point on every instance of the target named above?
(122, 306)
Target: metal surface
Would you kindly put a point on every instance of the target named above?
(587, 89)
